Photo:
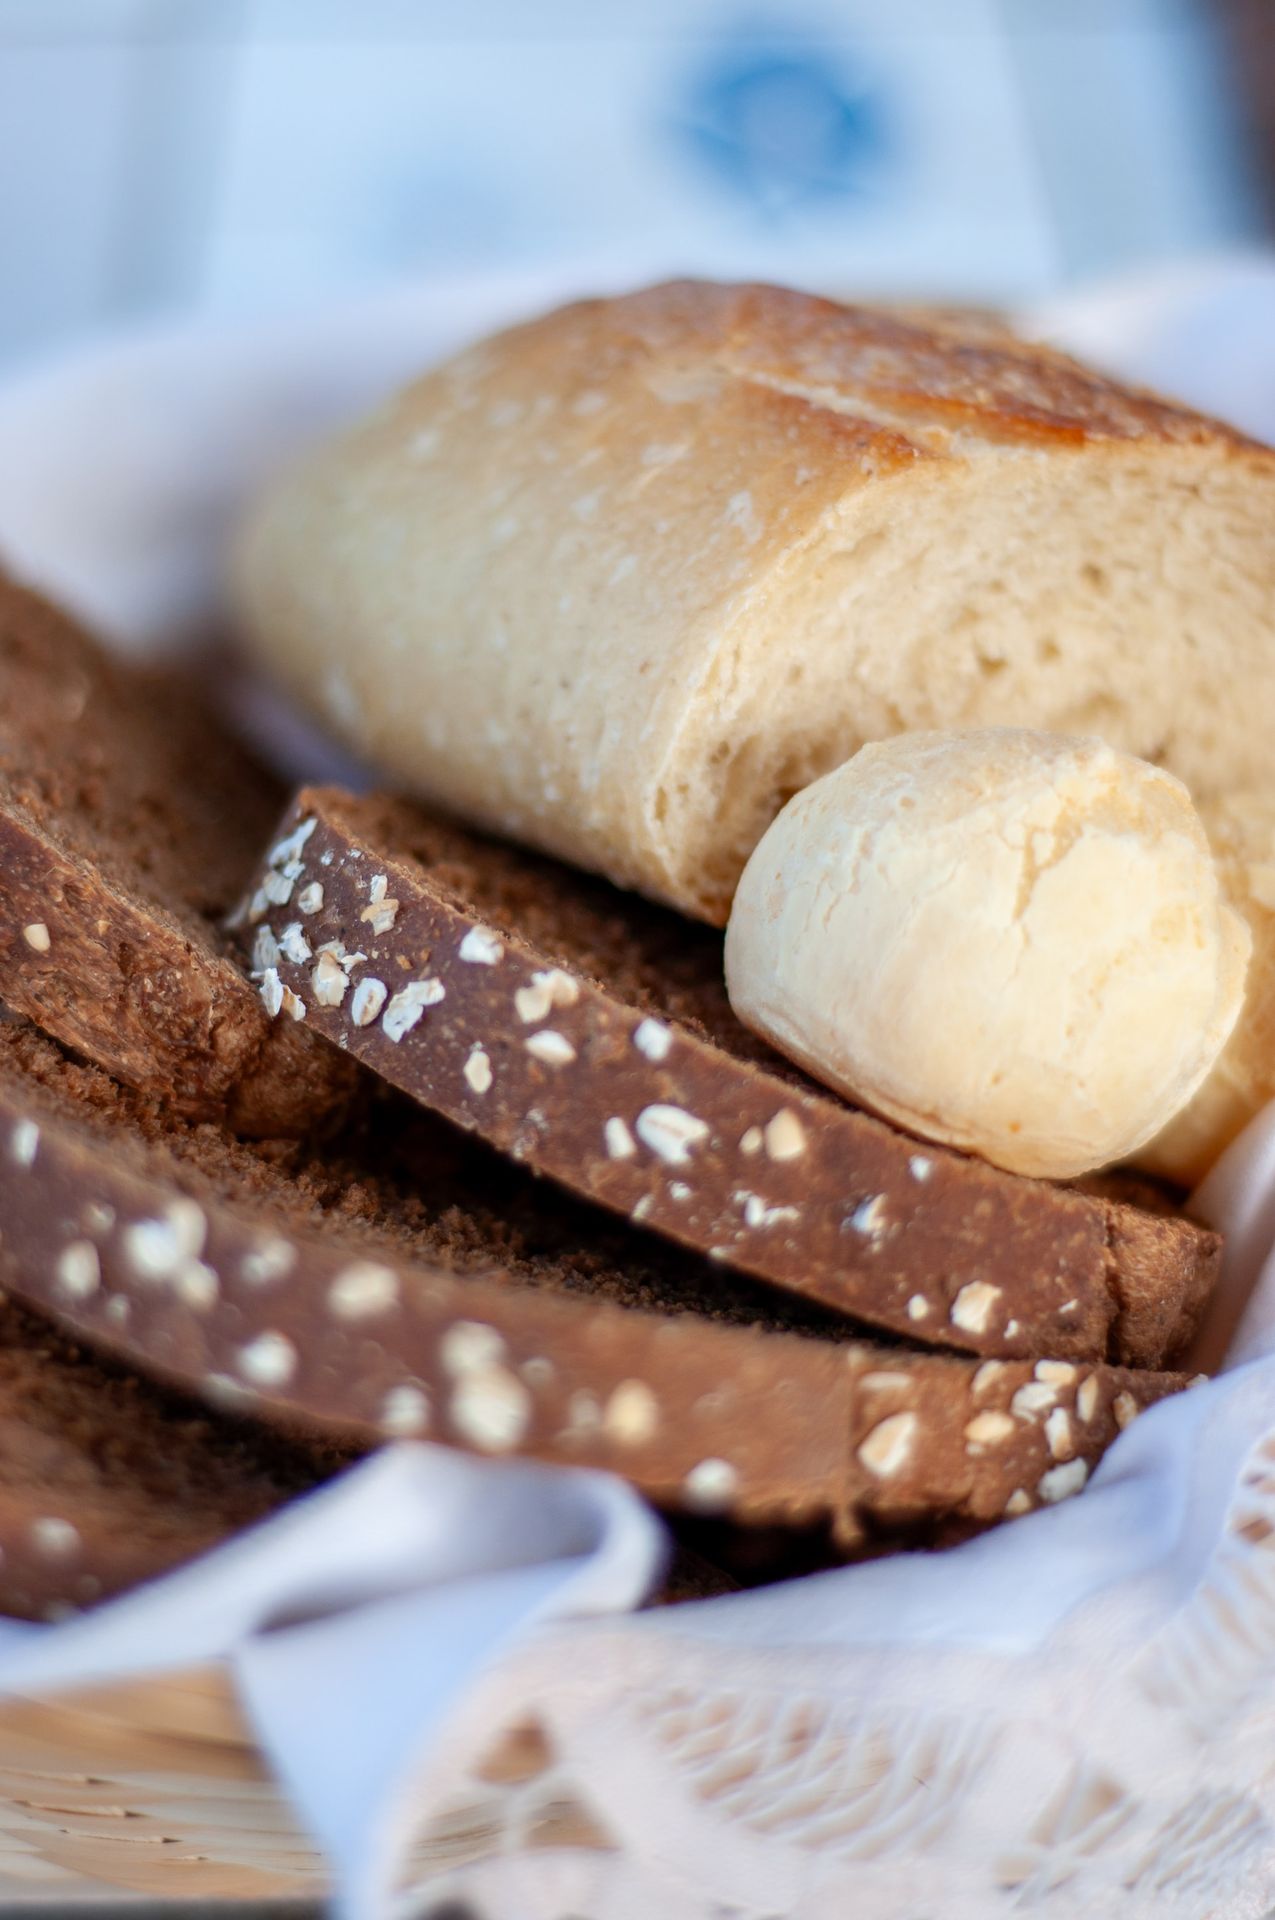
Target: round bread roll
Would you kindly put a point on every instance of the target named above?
(1010, 941)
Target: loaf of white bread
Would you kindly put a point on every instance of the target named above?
(620, 581)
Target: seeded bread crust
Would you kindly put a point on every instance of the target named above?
(106, 1481)
(587, 1033)
(128, 821)
(212, 1271)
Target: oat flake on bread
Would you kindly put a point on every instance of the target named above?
(620, 581)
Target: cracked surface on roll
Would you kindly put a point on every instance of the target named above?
(1013, 942)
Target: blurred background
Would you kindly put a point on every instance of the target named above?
(253, 155)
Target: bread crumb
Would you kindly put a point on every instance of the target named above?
(670, 1132)
(407, 1006)
(888, 1447)
(551, 1047)
(986, 1429)
(482, 948)
(369, 998)
(632, 1414)
(785, 1137)
(268, 1361)
(653, 1040)
(710, 1486)
(477, 1069)
(364, 1288)
(404, 1411)
(79, 1269)
(491, 1409)
(1061, 1482)
(974, 1305)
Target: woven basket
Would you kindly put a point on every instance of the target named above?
(157, 1788)
(154, 1788)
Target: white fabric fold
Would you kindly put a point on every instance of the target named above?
(355, 1619)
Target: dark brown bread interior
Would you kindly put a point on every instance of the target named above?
(107, 1480)
(413, 1283)
(129, 818)
(408, 1185)
(826, 1202)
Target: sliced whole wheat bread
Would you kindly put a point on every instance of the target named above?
(107, 1481)
(128, 821)
(422, 1286)
(587, 1033)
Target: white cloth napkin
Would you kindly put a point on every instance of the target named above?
(1076, 1712)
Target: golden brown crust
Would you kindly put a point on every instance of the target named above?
(618, 582)
(853, 360)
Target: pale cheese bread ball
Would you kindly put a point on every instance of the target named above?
(1014, 942)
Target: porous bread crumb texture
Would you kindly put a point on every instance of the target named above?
(107, 1480)
(210, 1272)
(800, 526)
(656, 1102)
(129, 818)
(131, 766)
(410, 1187)
(1111, 592)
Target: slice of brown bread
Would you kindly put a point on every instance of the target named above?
(588, 1033)
(128, 821)
(421, 1285)
(107, 1481)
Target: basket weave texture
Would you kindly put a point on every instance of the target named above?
(154, 1787)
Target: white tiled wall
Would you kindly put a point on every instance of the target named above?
(231, 154)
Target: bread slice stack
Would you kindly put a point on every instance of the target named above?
(370, 1269)
(436, 1137)
(410, 1284)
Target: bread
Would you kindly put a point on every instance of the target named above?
(106, 1481)
(1241, 828)
(1011, 941)
(622, 580)
(424, 1287)
(588, 1034)
(128, 817)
